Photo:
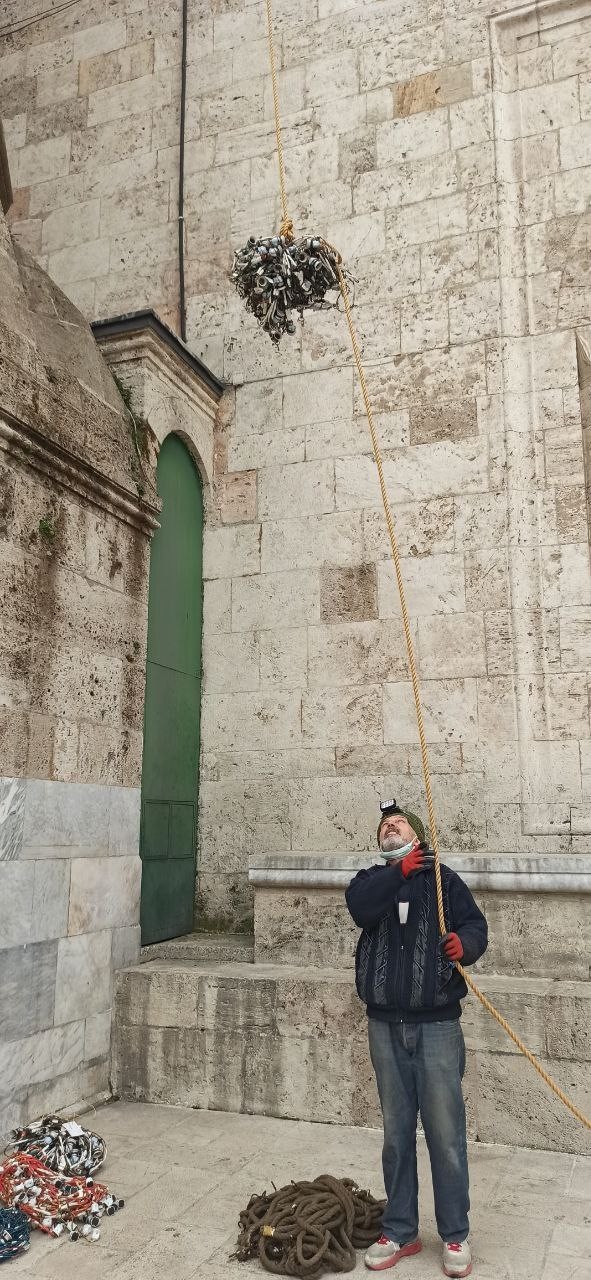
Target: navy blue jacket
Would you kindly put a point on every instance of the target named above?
(402, 973)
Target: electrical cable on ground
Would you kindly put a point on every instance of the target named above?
(286, 221)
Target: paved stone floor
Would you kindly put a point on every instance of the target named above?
(185, 1176)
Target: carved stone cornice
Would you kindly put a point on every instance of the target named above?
(70, 472)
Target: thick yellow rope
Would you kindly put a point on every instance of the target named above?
(287, 229)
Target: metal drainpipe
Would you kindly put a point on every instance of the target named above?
(182, 304)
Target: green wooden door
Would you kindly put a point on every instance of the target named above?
(173, 699)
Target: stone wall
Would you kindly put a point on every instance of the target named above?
(74, 547)
(448, 156)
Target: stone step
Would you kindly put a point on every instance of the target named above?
(217, 948)
(287, 1041)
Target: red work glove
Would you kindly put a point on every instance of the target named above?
(414, 861)
(452, 946)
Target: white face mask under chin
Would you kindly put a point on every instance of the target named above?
(395, 855)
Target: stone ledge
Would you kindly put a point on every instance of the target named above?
(552, 873)
(280, 1040)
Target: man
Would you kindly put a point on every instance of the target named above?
(406, 975)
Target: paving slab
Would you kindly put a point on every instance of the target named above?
(186, 1174)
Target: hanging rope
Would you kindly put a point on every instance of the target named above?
(307, 1228)
(286, 221)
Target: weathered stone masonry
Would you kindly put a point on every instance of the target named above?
(448, 154)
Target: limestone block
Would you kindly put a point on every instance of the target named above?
(42, 1056)
(125, 946)
(343, 655)
(385, 61)
(229, 107)
(416, 136)
(505, 1095)
(317, 397)
(104, 69)
(449, 709)
(450, 263)
(217, 605)
(497, 712)
(251, 721)
(275, 600)
(378, 334)
(45, 57)
(83, 979)
(433, 89)
(58, 85)
(104, 893)
(94, 149)
(575, 638)
(549, 106)
(331, 813)
(304, 928)
(539, 935)
(475, 312)
(30, 969)
(284, 658)
(109, 178)
(551, 771)
(43, 160)
(82, 225)
(238, 497)
(306, 486)
(241, 819)
(415, 225)
(356, 237)
(89, 259)
(487, 579)
(424, 322)
(265, 448)
(341, 439)
(357, 154)
(420, 531)
(230, 662)
(331, 77)
(450, 647)
(448, 420)
(523, 1003)
(233, 551)
(348, 595)
(307, 165)
(449, 375)
(407, 183)
(311, 542)
(454, 466)
(567, 1022)
(566, 577)
(342, 715)
(572, 56)
(216, 766)
(101, 38)
(433, 584)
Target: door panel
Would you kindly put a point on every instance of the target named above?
(173, 700)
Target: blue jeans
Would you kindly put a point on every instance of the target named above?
(419, 1067)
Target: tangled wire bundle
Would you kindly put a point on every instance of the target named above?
(63, 1146)
(14, 1233)
(279, 275)
(53, 1203)
(307, 1228)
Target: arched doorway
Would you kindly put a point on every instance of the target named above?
(173, 700)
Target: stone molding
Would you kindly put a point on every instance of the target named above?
(529, 19)
(142, 344)
(511, 873)
(69, 472)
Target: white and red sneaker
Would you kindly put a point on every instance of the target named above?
(457, 1259)
(386, 1253)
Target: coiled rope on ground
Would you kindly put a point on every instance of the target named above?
(307, 1228)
